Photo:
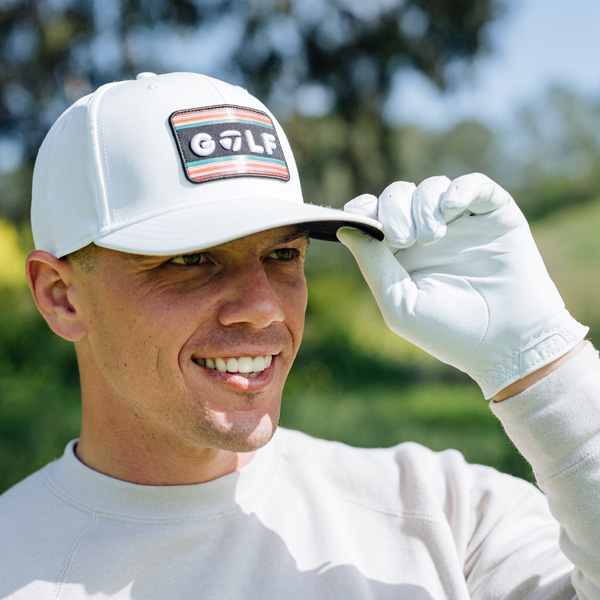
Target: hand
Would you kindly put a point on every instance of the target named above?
(459, 275)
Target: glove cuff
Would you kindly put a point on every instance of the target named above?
(543, 349)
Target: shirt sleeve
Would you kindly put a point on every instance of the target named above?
(555, 424)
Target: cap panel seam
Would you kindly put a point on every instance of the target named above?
(106, 183)
(97, 112)
(47, 191)
(215, 88)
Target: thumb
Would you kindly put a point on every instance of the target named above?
(386, 277)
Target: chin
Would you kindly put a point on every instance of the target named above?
(245, 435)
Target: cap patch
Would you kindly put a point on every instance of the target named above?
(219, 142)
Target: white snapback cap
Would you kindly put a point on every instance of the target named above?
(168, 164)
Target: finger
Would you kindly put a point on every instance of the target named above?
(475, 193)
(365, 205)
(395, 214)
(429, 222)
(382, 272)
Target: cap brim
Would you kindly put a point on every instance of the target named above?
(207, 225)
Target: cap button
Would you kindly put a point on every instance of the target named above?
(145, 75)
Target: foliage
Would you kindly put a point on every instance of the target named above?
(569, 244)
(12, 257)
(352, 50)
(39, 395)
(556, 140)
(39, 392)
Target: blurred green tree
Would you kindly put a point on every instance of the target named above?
(336, 56)
(557, 141)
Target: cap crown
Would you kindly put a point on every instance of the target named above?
(113, 159)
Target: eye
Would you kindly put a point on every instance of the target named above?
(196, 258)
(284, 254)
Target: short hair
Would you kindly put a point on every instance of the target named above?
(86, 257)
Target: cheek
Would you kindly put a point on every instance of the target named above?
(294, 302)
(173, 309)
(128, 330)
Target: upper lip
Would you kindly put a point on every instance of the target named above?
(235, 354)
(238, 344)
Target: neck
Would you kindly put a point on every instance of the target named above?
(145, 461)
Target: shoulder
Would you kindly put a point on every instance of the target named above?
(21, 497)
(29, 508)
(37, 527)
(23, 524)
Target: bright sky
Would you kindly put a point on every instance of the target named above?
(536, 44)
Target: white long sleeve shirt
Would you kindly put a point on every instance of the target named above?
(309, 519)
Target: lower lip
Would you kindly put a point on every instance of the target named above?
(241, 382)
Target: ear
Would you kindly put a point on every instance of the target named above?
(50, 280)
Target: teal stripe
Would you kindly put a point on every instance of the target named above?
(217, 121)
(234, 158)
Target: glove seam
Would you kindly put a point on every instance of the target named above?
(482, 337)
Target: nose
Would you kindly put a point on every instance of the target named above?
(250, 298)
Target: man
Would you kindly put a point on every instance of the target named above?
(170, 235)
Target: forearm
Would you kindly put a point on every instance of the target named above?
(555, 423)
(522, 384)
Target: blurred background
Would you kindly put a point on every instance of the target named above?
(368, 92)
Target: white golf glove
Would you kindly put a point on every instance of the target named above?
(459, 275)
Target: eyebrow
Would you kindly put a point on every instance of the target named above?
(293, 236)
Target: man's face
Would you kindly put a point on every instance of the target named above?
(193, 349)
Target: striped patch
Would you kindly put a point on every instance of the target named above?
(219, 142)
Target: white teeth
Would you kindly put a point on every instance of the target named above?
(244, 364)
(241, 364)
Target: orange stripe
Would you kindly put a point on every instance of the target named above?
(219, 114)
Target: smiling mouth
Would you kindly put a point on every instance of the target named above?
(244, 365)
